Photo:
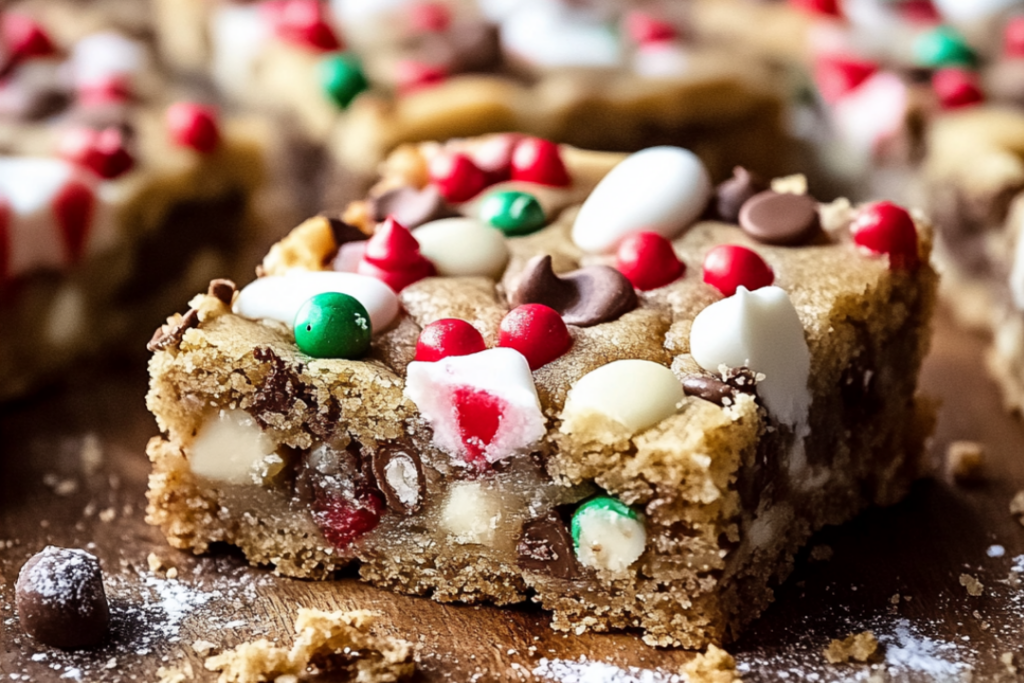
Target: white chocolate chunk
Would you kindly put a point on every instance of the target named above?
(104, 55)
(463, 247)
(471, 513)
(609, 540)
(279, 297)
(635, 393)
(231, 448)
(659, 189)
(759, 330)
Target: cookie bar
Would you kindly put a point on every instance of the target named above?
(109, 195)
(594, 380)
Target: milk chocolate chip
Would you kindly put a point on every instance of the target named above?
(411, 207)
(169, 335)
(584, 297)
(721, 391)
(60, 598)
(730, 195)
(399, 474)
(222, 289)
(780, 218)
(545, 546)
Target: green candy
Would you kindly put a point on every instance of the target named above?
(599, 504)
(514, 213)
(342, 78)
(943, 46)
(333, 325)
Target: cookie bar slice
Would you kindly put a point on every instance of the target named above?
(613, 388)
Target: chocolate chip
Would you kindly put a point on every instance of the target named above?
(545, 546)
(584, 297)
(222, 289)
(411, 207)
(721, 391)
(731, 194)
(399, 474)
(344, 233)
(170, 335)
(60, 598)
(780, 218)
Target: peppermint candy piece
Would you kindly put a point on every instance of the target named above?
(659, 189)
(279, 297)
(759, 330)
(873, 112)
(460, 247)
(635, 393)
(483, 407)
(608, 534)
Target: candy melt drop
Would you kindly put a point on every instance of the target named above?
(482, 407)
(608, 534)
(448, 337)
(759, 330)
(885, 228)
(460, 247)
(635, 393)
(393, 256)
(194, 126)
(537, 332)
(660, 189)
(342, 78)
(730, 266)
(514, 213)
(648, 261)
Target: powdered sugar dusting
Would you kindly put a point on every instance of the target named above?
(584, 670)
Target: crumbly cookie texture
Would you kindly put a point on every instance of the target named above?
(654, 465)
(326, 643)
(856, 647)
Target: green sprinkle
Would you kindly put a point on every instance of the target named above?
(599, 504)
(333, 325)
(342, 78)
(514, 213)
(943, 46)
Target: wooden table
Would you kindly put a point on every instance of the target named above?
(896, 571)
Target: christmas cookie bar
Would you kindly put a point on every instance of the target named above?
(109, 195)
(596, 381)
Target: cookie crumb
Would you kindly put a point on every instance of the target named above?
(895, 599)
(91, 454)
(108, 515)
(965, 461)
(973, 586)
(821, 553)
(203, 648)
(715, 665)
(859, 647)
(1017, 506)
(175, 674)
(319, 636)
(1007, 661)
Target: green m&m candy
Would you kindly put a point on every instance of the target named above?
(333, 325)
(608, 534)
(514, 213)
(342, 78)
(943, 46)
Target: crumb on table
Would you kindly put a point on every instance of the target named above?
(858, 647)
(972, 584)
(714, 665)
(965, 461)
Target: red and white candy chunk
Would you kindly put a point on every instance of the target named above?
(483, 407)
(885, 228)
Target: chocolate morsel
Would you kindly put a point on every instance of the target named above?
(168, 335)
(731, 194)
(545, 546)
(399, 474)
(411, 207)
(222, 289)
(60, 598)
(721, 391)
(584, 297)
(780, 218)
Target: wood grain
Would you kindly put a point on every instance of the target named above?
(917, 549)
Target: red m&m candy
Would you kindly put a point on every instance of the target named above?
(729, 266)
(956, 88)
(536, 331)
(535, 160)
(448, 337)
(101, 151)
(648, 261)
(885, 228)
(194, 126)
(457, 178)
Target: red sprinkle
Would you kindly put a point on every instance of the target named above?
(828, 8)
(456, 176)
(412, 76)
(535, 160)
(343, 521)
(73, 209)
(885, 228)
(956, 88)
(644, 29)
(393, 256)
(836, 76)
(730, 266)
(24, 37)
(1013, 37)
(194, 126)
(478, 415)
(536, 331)
(101, 151)
(429, 17)
(302, 22)
(448, 337)
(648, 261)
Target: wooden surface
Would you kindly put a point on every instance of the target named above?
(895, 571)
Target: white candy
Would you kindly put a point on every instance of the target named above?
(973, 10)
(278, 297)
(471, 513)
(635, 393)
(367, 21)
(759, 330)
(101, 56)
(238, 35)
(660, 189)
(231, 448)
(609, 540)
(502, 374)
(463, 246)
(661, 60)
(547, 34)
(872, 112)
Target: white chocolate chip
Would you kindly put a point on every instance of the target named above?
(634, 393)
(471, 513)
(759, 330)
(609, 540)
(232, 448)
(659, 189)
(463, 247)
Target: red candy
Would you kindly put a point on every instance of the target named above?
(536, 331)
(836, 76)
(535, 160)
(648, 261)
(25, 38)
(105, 90)
(393, 256)
(101, 151)
(456, 176)
(343, 521)
(494, 156)
(448, 337)
(478, 415)
(73, 208)
(730, 266)
(429, 17)
(885, 228)
(302, 22)
(643, 29)
(194, 126)
(413, 76)
(956, 88)
(1013, 37)
(829, 8)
